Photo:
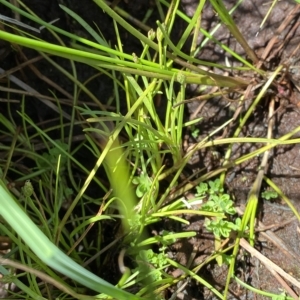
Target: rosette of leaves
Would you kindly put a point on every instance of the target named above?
(143, 185)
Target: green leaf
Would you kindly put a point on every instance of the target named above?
(215, 187)
(220, 228)
(201, 189)
(195, 133)
(143, 185)
(270, 194)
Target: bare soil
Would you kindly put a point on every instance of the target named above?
(281, 242)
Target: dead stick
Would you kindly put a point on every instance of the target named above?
(267, 262)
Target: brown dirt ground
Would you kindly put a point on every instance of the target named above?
(280, 244)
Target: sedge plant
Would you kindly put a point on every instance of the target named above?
(132, 147)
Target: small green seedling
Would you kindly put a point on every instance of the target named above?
(195, 131)
(53, 154)
(143, 184)
(222, 228)
(220, 202)
(156, 261)
(269, 194)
